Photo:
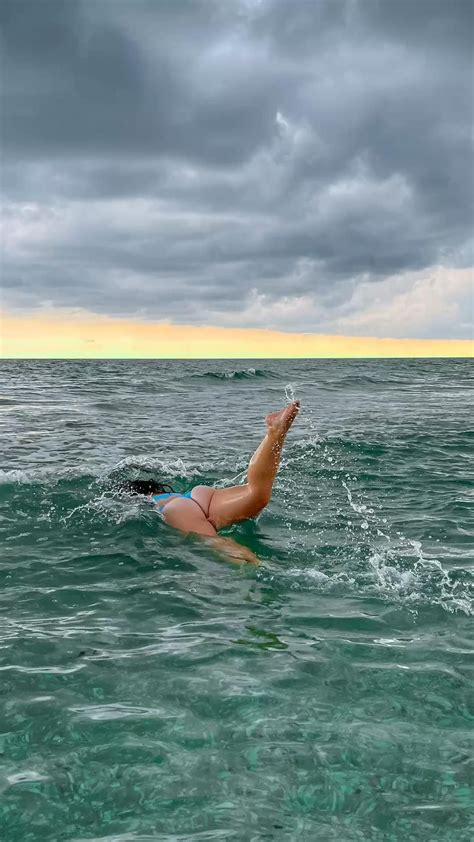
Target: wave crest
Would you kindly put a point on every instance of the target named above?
(235, 374)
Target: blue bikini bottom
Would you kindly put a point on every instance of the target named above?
(165, 497)
(157, 497)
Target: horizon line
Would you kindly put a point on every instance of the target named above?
(218, 359)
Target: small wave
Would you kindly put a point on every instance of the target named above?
(43, 475)
(38, 484)
(235, 374)
(172, 469)
(364, 380)
(128, 468)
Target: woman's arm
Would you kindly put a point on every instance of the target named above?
(185, 515)
(232, 550)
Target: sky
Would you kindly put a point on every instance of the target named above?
(297, 166)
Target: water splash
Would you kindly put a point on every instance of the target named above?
(371, 560)
(290, 393)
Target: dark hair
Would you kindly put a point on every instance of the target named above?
(146, 486)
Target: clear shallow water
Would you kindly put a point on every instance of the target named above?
(150, 690)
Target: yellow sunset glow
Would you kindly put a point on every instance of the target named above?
(57, 336)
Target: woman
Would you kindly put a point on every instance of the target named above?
(205, 510)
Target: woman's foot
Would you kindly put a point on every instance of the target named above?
(278, 423)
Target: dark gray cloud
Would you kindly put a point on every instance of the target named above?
(252, 162)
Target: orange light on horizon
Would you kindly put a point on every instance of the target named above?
(90, 336)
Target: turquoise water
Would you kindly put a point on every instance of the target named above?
(151, 690)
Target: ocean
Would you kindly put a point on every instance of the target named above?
(150, 690)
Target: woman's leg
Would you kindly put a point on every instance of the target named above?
(229, 505)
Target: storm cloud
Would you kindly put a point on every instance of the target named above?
(295, 164)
